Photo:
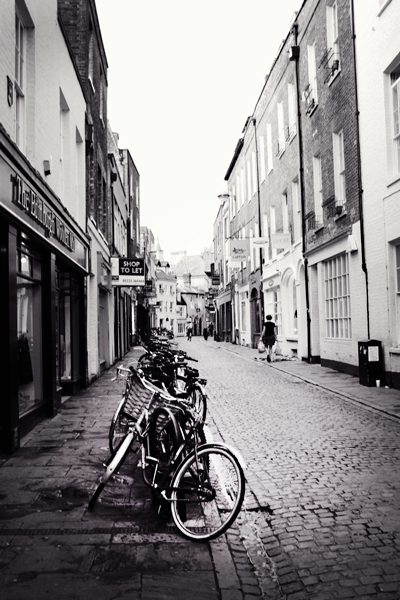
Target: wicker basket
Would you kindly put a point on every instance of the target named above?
(142, 394)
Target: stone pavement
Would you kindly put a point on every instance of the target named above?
(51, 545)
(383, 399)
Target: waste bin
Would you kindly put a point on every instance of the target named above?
(370, 363)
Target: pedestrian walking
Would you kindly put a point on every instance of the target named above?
(205, 333)
(189, 332)
(269, 336)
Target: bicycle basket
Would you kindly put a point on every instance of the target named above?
(138, 398)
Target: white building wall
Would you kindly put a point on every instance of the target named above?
(378, 54)
(49, 72)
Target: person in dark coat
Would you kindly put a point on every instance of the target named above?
(269, 336)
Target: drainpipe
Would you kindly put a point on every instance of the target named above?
(259, 223)
(360, 188)
(295, 56)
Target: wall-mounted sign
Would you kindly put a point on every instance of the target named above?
(280, 240)
(238, 250)
(215, 279)
(127, 271)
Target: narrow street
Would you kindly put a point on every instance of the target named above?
(322, 514)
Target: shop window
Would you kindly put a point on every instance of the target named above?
(337, 297)
(68, 326)
(29, 326)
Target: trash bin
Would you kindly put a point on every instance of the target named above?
(370, 363)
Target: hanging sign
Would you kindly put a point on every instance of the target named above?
(280, 240)
(239, 250)
(127, 271)
(260, 242)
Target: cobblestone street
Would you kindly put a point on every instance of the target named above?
(322, 514)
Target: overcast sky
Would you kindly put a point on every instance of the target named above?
(183, 76)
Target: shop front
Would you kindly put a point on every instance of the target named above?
(43, 257)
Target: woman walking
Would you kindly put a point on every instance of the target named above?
(269, 336)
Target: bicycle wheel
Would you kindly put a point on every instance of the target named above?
(163, 441)
(119, 427)
(207, 492)
(199, 401)
(113, 465)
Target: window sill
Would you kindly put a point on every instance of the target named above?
(310, 111)
(394, 350)
(333, 77)
(342, 214)
(394, 179)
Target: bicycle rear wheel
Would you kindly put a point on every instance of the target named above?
(199, 401)
(163, 440)
(207, 492)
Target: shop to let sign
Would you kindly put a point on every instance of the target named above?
(127, 271)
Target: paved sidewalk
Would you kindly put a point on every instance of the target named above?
(385, 400)
(52, 546)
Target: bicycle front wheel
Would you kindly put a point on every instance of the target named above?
(207, 492)
(119, 427)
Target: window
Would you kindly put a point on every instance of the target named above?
(285, 213)
(395, 83)
(243, 314)
(29, 325)
(318, 198)
(332, 36)
(310, 93)
(273, 227)
(281, 130)
(337, 297)
(269, 149)
(339, 168)
(254, 171)
(242, 175)
(296, 210)
(249, 194)
(262, 157)
(91, 55)
(20, 76)
(292, 128)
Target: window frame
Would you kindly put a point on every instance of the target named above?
(337, 298)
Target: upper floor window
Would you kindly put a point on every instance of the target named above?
(281, 130)
(262, 157)
(270, 161)
(249, 192)
(332, 38)
(310, 94)
(20, 76)
(318, 197)
(395, 83)
(292, 127)
(339, 168)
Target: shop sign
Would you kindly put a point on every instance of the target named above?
(39, 211)
(280, 241)
(215, 279)
(260, 242)
(127, 271)
(239, 250)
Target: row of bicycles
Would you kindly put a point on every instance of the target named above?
(162, 414)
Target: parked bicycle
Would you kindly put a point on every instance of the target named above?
(203, 482)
